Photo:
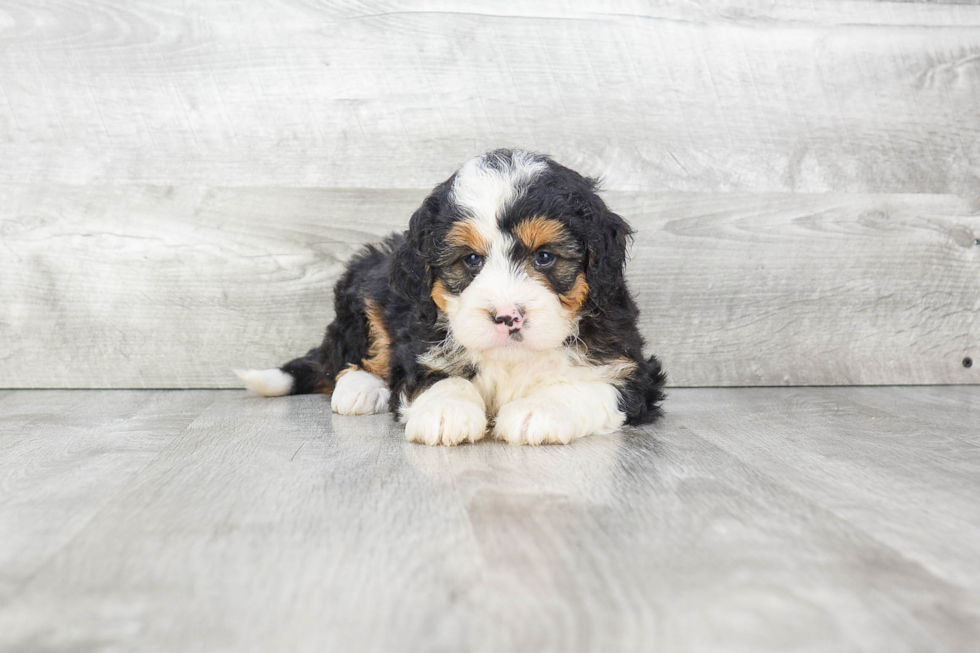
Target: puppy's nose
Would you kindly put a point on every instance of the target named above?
(507, 318)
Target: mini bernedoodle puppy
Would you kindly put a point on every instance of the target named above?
(505, 303)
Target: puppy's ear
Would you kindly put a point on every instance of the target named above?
(608, 238)
(409, 271)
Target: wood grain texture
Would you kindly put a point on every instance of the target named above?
(143, 286)
(64, 455)
(808, 290)
(909, 485)
(819, 520)
(179, 187)
(167, 287)
(802, 96)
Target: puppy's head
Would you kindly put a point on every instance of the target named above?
(513, 250)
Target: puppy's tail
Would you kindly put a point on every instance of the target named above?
(649, 389)
(654, 394)
(306, 375)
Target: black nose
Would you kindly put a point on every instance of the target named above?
(504, 319)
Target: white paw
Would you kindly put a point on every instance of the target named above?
(446, 421)
(450, 412)
(533, 421)
(359, 393)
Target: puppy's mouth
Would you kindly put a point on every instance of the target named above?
(507, 337)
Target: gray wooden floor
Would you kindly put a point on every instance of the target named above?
(819, 519)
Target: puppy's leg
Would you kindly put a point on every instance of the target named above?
(450, 412)
(359, 393)
(560, 413)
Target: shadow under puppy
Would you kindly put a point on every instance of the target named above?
(505, 299)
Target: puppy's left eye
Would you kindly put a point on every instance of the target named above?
(544, 260)
(473, 261)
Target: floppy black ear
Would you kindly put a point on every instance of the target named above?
(409, 271)
(608, 238)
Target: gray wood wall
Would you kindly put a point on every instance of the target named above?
(180, 187)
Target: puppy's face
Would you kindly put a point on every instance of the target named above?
(519, 288)
(510, 259)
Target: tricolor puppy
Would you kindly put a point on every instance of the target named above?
(504, 305)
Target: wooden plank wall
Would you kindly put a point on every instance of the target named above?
(179, 187)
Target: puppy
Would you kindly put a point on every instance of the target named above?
(504, 304)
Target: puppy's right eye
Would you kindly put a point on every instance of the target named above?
(473, 261)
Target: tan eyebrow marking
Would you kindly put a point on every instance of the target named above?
(540, 231)
(466, 234)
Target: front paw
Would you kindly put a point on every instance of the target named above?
(446, 421)
(533, 421)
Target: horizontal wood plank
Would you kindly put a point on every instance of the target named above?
(860, 97)
(808, 290)
(144, 286)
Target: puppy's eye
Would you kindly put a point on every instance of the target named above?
(473, 261)
(544, 260)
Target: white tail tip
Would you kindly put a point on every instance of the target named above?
(270, 383)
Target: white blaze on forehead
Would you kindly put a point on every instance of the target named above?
(486, 185)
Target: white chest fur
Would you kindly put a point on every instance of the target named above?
(501, 380)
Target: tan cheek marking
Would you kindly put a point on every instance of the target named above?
(466, 234)
(575, 298)
(440, 295)
(540, 231)
(379, 349)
